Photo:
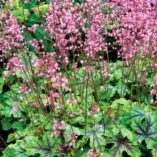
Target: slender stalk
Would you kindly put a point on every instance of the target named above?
(86, 105)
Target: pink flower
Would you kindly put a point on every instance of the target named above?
(105, 71)
(23, 89)
(36, 104)
(94, 107)
(53, 95)
(33, 28)
(155, 79)
(35, 44)
(52, 68)
(73, 137)
(14, 108)
(153, 92)
(75, 66)
(13, 63)
(39, 63)
(91, 153)
(152, 102)
(63, 82)
(72, 115)
(58, 125)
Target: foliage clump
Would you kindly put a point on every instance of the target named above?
(78, 78)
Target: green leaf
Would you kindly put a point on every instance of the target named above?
(151, 144)
(5, 110)
(127, 133)
(71, 129)
(6, 124)
(97, 142)
(19, 13)
(107, 94)
(122, 88)
(154, 152)
(82, 153)
(11, 137)
(79, 120)
(120, 106)
(82, 141)
(15, 150)
(117, 74)
(18, 125)
(121, 101)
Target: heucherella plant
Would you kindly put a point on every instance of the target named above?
(79, 78)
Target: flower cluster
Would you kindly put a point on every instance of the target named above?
(136, 28)
(57, 127)
(13, 65)
(10, 35)
(77, 27)
(45, 65)
(95, 20)
(92, 153)
(64, 22)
